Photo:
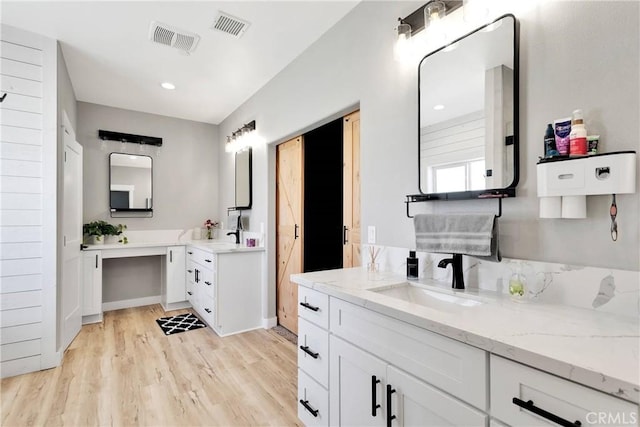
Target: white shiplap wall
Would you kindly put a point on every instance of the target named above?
(27, 203)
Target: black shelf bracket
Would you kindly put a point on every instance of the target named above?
(418, 198)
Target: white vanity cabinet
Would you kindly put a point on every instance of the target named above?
(173, 288)
(224, 288)
(91, 287)
(521, 395)
(313, 357)
(390, 379)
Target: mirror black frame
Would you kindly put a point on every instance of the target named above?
(250, 180)
(109, 189)
(510, 190)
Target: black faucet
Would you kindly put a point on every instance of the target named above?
(456, 263)
(238, 228)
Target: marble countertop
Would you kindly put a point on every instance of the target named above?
(216, 246)
(599, 350)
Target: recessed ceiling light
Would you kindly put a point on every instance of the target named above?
(168, 86)
(438, 107)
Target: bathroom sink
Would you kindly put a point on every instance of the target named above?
(421, 295)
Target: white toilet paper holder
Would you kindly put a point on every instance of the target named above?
(564, 183)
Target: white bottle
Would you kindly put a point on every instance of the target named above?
(578, 135)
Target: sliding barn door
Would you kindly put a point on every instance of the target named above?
(351, 232)
(289, 202)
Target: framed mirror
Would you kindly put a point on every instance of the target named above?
(130, 183)
(468, 115)
(244, 175)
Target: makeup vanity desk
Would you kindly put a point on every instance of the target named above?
(175, 275)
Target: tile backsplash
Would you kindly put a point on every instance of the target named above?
(607, 290)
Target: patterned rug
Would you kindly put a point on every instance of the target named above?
(180, 323)
(287, 334)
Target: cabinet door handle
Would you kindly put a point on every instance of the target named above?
(207, 310)
(344, 234)
(309, 306)
(374, 399)
(305, 403)
(390, 417)
(170, 256)
(207, 283)
(529, 406)
(189, 271)
(197, 278)
(190, 253)
(295, 232)
(207, 260)
(189, 292)
(96, 260)
(3, 97)
(305, 348)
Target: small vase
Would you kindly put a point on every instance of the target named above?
(209, 233)
(97, 240)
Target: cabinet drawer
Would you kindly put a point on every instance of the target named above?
(313, 351)
(552, 394)
(207, 279)
(313, 402)
(191, 271)
(456, 368)
(208, 310)
(313, 306)
(204, 258)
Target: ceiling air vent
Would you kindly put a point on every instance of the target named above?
(173, 37)
(230, 24)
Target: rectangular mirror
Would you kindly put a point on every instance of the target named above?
(243, 179)
(468, 114)
(130, 183)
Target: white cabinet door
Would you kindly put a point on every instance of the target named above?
(357, 386)
(175, 274)
(92, 283)
(412, 402)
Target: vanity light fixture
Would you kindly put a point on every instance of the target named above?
(168, 85)
(242, 138)
(430, 15)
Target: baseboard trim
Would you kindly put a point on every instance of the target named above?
(269, 322)
(176, 305)
(129, 303)
(94, 318)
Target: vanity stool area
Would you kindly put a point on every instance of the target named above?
(220, 280)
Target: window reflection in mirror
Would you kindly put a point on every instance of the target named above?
(130, 182)
(468, 112)
(243, 178)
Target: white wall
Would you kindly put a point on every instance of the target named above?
(573, 55)
(185, 173)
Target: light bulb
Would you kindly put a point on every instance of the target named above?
(403, 48)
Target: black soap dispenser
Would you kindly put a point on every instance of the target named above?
(412, 266)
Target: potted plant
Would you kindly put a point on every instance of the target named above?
(113, 233)
(96, 232)
(99, 230)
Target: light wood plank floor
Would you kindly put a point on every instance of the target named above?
(126, 372)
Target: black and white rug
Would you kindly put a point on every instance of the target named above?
(180, 323)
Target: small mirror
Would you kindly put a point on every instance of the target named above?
(468, 114)
(130, 183)
(243, 179)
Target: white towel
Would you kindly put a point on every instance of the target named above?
(467, 234)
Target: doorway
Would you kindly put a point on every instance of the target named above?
(317, 207)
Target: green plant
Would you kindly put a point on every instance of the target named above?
(103, 228)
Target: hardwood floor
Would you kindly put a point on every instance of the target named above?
(125, 372)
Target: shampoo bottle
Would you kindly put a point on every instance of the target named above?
(550, 149)
(578, 135)
(412, 266)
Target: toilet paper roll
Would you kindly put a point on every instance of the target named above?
(551, 207)
(574, 206)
